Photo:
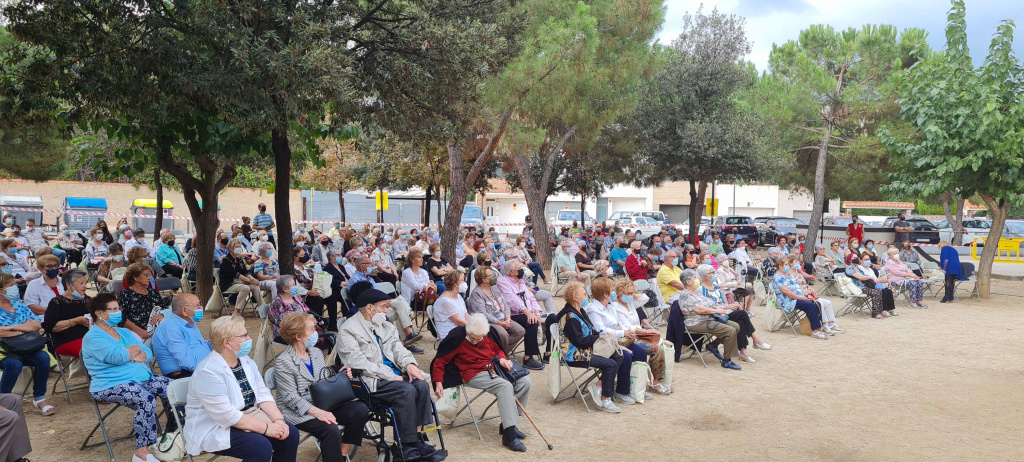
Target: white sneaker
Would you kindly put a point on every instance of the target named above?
(149, 458)
(608, 406)
(826, 330)
(836, 329)
(624, 399)
(648, 395)
(595, 393)
(819, 335)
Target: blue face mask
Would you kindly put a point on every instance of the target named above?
(12, 293)
(613, 296)
(714, 279)
(311, 341)
(627, 299)
(294, 291)
(78, 296)
(52, 273)
(269, 252)
(842, 246)
(246, 348)
(114, 319)
(675, 262)
(198, 316)
(337, 260)
(7, 269)
(585, 302)
(12, 251)
(870, 246)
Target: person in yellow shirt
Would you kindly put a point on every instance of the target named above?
(668, 276)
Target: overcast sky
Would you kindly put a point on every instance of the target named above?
(778, 21)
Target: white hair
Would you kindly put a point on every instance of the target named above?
(477, 325)
(705, 270)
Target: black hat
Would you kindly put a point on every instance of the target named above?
(371, 296)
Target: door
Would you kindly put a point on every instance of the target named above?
(602, 208)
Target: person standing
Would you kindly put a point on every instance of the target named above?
(949, 261)
(903, 229)
(855, 230)
(264, 222)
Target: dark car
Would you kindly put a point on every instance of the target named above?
(924, 231)
(778, 226)
(734, 224)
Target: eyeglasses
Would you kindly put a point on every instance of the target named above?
(243, 335)
(50, 267)
(113, 310)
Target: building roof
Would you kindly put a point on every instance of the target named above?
(877, 205)
(969, 206)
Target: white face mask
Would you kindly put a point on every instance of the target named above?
(379, 319)
(437, 254)
(609, 271)
(463, 287)
(522, 245)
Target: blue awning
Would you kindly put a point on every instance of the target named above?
(85, 203)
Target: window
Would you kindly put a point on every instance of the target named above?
(657, 216)
(788, 222)
(737, 221)
(572, 215)
(945, 224)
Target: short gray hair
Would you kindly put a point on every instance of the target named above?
(477, 324)
(73, 275)
(705, 270)
(774, 251)
(687, 275)
(283, 281)
(333, 251)
(178, 303)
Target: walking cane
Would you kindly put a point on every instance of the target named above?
(550, 447)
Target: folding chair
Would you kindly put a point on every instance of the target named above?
(972, 283)
(463, 395)
(387, 287)
(660, 313)
(177, 396)
(270, 380)
(556, 279)
(853, 302)
(432, 326)
(825, 275)
(168, 285)
(265, 334)
(589, 374)
(100, 425)
(694, 347)
(791, 319)
(63, 376)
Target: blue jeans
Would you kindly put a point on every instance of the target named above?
(440, 287)
(622, 363)
(812, 313)
(254, 447)
(61, 254)
(40, 361)
(537, 271)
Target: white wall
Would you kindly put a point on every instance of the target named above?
(798, 200)
(763, 198)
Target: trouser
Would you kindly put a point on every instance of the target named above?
(74, 256)
(828, 315)
(410, 403)
(317, 305)
(60, 254)
(548, 321)
(440, 286)
(915, 290)
(506, 394)
(243, 291)
(950, 286)
(140, 397)
(532, 349)
(621, 363)
(639, 353)
(725, 333)
(584, 276)
(352, 415)
(544, 297)
(331, 306)
(537, 271)
(386, 277)
(173, 271)
(742, 319)
(511, 336)
(399, 313)
(38, 361)
(876, 299)
(14, 437)
(254, 447)
(812, 312)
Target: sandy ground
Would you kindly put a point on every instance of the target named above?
(939, 384)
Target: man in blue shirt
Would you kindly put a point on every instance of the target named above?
(618, 255)
(178, 345)
(221, 250)
(264, 222)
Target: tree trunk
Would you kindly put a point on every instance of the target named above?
(440, 199)
(282, 183)
(158, 222)
(956, 223)
(425, 216)
(341, 203)
(694, 211)
(999, 209)
(702, 191)
(536, 203)
(814, 225)
(583, 209)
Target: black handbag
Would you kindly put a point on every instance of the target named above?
(331, 392)
(495, 369)
(23, 346)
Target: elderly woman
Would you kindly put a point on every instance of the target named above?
(9, 247)
(908, 255)
(301, 365)
(230, 410)
(266, 269)
(828, 315)
(853, 250)
(118, 364)
(734, 312)
(579, 335)
(701, 315)
(40, 291)
(789, 291)
(610, 312)
(485, 301)
(67, 317)
(235, 276)
(71, 244)
(822, 259)
(140, 303)
(449, 308)
(287, 302)
(16, 319)
(416, 280)
(339, 281)
(949, 261)
(169, 257)
(898, 273)
(524, 308)
(882, 302)
(835, 254)
(523, 254)
(728, 280)
(437, 267)
(112, 267)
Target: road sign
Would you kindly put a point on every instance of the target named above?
(378, 196)
(711, 208)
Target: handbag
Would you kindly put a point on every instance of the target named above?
(322, 283)
(170, 447)
(495, 369)
(427, 297)
(650, 336)
(23, 346)
(331, 392)
(605, 346)
(258, 414)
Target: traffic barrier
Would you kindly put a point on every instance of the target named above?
(1008, 245)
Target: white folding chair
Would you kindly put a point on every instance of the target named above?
(270, 379)
(660, 313)
(433, 325)
(387, 287)
(463, 395)
(853, 302)
(579, 383)
(825, 275)
(556, 279)
(791, 319)
(266, 335)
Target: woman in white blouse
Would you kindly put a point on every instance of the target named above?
(231, 412)
(414, 277)
(449, 309)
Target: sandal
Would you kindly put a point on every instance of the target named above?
(46, 409)
(661, 389)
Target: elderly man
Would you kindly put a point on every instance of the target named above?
(140, 238)
(464, 356)
(565, 264)
(36, 238)
(744, 262)
(178, 345)
(398, 310)
(321, 250)
(368, 343)
(617, 256)
(668, 276)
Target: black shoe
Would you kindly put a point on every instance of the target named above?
(410, 453)
(514, 444)
(519, 434)
(412, 338)
(532, 364)
(546, 359)
(414, 349)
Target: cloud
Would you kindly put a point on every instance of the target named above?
(754, 8)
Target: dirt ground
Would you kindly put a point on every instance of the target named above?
(944, 383)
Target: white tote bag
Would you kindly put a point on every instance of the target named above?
(669, 352)
(322, 283)
(448, 404)
(555, 373)
(640, 378)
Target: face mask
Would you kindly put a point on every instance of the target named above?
(302, 230)
(7, 269)
(52, 273)
(855, 245)
(118, 257)
(17, 232)
(379, 318)
(522, 245)
(114, 319)
(842, 246)
(29, 228)
(675, 261)
(224, 241)
(622, 246)
(246, 347)
(198, 316)
(337, 261)
(487, 263)
(636, 251)
(263, 237)
(520, 273)
(170, 243)
(294, 291)
(493, 280)
(9, 221)
(437, 255)
(311, 341)
(12, 293)
(613, 296)
(694, 282)
(585, 303)
(66, 232)
(714, 279)
(463, 287)
(76, 295)
(237, 251)
(870, 246)
(854, 262)
(627, 299)
(268, 252)
(12, 251)
(304, 258)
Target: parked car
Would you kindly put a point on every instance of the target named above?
(642, 225)
(924, 231)
(734, 224)
(977, 229)
(838, 221)
(777, 226)
(617, 216)
(472, 215)
(684, 227)
(654, 215)
(565, 217)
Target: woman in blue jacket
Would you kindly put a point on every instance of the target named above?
(949, 261)
(118, 364)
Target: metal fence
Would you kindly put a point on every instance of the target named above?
(324, 206)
